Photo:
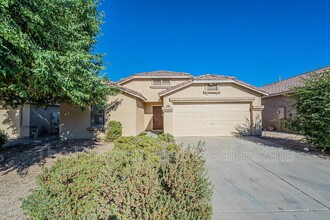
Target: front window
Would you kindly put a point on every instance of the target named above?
(97, 117)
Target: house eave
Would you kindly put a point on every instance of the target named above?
(153, 77)
(213, 99)
(214, 81)
(278, 94)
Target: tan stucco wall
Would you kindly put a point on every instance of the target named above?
(74, 122)
(270, 115)
(227, 90)
(126, 113)
(129, 110)
(144, 86)
(16, 122)
(140, 126)
(10, 122)
(20, 122)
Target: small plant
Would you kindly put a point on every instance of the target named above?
(114, 130)
(3, 138)
(166, 138)
(246, 129)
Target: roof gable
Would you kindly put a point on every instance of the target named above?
(211, 78)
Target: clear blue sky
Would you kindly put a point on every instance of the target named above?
(253, 40)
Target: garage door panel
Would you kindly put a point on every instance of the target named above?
(209, 119)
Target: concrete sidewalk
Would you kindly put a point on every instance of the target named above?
(256, 181)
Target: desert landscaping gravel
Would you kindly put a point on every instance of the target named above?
(23, 163)
(294, 142)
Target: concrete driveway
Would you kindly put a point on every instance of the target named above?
(257, 181)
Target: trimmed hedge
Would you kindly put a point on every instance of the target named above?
(123, 185)
(114, 130)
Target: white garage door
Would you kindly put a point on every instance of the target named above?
(209, 119)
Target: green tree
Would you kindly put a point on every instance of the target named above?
(47, 53)
(312, 103)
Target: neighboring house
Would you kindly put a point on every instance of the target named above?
(278, 106)
(172, 102)
(28, 120)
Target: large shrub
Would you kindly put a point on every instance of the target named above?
(312, 105)
(114, 130)
(118, 185)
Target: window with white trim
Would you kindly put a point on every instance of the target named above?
(97, 117)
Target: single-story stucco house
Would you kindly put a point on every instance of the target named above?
(28, 120)
(277, 105)
(172, 102)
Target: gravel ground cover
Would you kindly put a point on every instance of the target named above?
(23, 163)
(294, 142)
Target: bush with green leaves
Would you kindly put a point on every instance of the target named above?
(118, 185)
(47, 53)
(166, 137)
(145, 146)
(114, 130)
(312, 105)
(3, 138)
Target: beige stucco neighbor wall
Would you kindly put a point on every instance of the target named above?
(270, 114)
(74, 122)
(10, 122)
(20, 122)
(196, 91)
(16, 122)
(144, 86)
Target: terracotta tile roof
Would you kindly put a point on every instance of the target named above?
(132, 92)
(211, 77)
(175, 87)
(127, 90)
(285, 86)
(157, 74)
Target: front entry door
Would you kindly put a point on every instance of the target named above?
(157, 118)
